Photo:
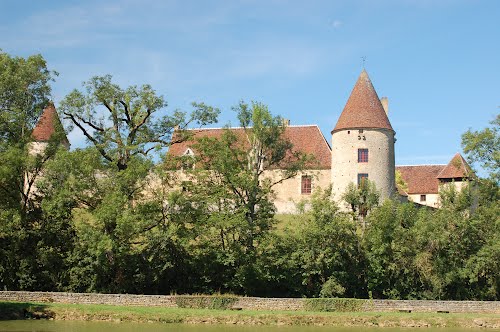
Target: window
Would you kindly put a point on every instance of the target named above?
(423, 198)
(306, 185)
(362, 155)
(362, 177)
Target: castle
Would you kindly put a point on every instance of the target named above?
(362, 147)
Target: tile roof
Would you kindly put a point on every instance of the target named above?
(307, 139)
(363, 108)
(421, 179)
(457, 168)
(47, 124)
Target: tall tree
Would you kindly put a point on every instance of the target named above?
(483, 147)
(24, 92)
(233, 181)
(123, 123)
(247, 164)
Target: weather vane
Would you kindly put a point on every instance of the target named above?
(364, 60)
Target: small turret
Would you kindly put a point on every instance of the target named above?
(457, 170)
(48, 125)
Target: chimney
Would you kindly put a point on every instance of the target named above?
(385, 105)
(286, 122)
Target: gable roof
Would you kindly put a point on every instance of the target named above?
(307, 139)
(47, 125)
(363, 108)
(457, 168)
(421, 179)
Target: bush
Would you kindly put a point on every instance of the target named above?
(219, 302)
(334, 304)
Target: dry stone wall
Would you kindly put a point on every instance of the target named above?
(250, 303)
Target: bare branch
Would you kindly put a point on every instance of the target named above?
(90, 137)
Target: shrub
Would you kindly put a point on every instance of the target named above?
(334, 304)
(219, 302)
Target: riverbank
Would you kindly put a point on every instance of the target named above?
(114, 313)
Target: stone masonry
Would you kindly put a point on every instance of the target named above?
(250, 303)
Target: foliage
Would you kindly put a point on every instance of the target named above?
(122, 123)
(334, 304)
(230, 190)
(217, 302)
(400, 182)
(483, 147)
(362, 198)
(24, 92)
(108, 219)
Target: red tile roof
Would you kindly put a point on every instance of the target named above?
(363, 108)
(457, 168)
(306, 139)
(47, 124)
(421, 179)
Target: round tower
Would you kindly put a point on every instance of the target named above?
(48, 125)
(363, 142)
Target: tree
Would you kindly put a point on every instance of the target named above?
(123, 123)
(329, 251)
(483, 147)
(390, 249)
(233, 182)
(24, 92)
(248, 164)
(361, 199)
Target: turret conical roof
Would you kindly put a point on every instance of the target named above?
(363, 108)
(457, 168)
(47, 125)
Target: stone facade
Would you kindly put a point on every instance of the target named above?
(289, 193)
(380, 165)
(250, 303)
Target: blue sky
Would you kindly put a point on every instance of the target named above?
(436, 60)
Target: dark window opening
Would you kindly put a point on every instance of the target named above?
(423, 198)
(306, 185)
(361, 178)
(362, 155)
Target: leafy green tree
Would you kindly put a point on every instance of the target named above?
(243, 167)
(233, 184)
(390, 250)
(483, 147)
(24, 92)
(123, 123)
(361, 199)
(329, 251)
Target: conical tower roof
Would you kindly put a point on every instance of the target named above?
(456, 168)
(363, 109)
(47, 125)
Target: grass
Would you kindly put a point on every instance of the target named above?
(59, 311)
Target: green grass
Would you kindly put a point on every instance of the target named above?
(59, 311)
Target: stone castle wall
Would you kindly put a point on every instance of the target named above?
(250, 303)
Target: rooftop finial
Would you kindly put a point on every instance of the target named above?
(364, 60)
